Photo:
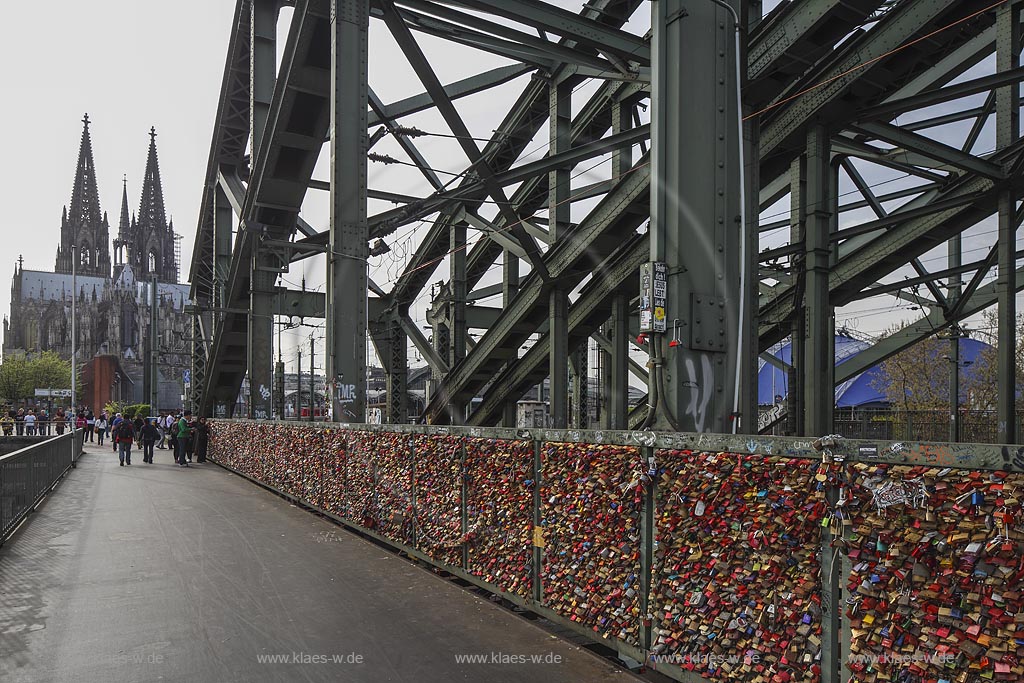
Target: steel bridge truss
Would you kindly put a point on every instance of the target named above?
(883, 129)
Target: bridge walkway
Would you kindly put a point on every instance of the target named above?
(154, 572)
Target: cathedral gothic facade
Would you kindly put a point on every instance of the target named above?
(112, 285)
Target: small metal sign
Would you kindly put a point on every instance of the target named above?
(53, 393)
(653, 294)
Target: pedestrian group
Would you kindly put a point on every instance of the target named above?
(188, 438)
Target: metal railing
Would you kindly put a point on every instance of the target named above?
(27, 475)
(614, 535)
(976, 426)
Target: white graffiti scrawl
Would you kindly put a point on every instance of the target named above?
(700, 390)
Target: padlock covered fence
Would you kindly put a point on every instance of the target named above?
(706, 557)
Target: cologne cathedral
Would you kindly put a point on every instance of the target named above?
(112, 283)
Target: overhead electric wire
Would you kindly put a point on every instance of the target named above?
(871, 61)
(510, 226)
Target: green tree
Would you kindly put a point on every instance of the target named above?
(49, 371)
(918, 378)
(985, 392)
(115, 407)
(15, 379)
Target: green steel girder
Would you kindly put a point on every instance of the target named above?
(791, 49)
(406, 143)
(593, 121)
(928, 278)
(614, 277)
(425, 72)
(946, 93)
(455, 90)
(304, 304)
(511, 138)
(388, 221)
(296, 124)
(535, 57)
(894, 248)
(795, 35)
(919, 330)
(557, 51)
(915, 142)
(826, 92)
(593, 34)
(568, 262)
(230, 136)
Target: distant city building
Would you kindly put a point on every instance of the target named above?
(113, 310)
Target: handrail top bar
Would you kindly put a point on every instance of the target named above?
(995, 457)
(23, 451)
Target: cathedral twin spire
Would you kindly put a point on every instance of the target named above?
(145, 243)
(84, 226)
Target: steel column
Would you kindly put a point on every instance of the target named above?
(200, 356)
(509, 289)
(622, 157)
(615, 379)
(580, 387)
(748, 351)
(560, 131)
(695, 209)
(953, 293)
(260, 352)
(398, 373)
(618, 396)
(347, 268)
(457, 308)
(222, 219)
(439, 337)
(263, 69)
(1008, 45)
(797, 229)
(819, 331)
(558, 359)
(279, 387)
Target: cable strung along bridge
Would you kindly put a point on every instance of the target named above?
(595, 183)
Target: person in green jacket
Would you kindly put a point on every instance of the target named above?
(184, 428)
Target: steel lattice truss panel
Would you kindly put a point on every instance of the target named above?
(507, 151)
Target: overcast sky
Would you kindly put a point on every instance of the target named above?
(130, 65)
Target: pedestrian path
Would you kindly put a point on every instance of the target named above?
(154, 572)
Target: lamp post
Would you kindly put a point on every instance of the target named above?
(74, 329)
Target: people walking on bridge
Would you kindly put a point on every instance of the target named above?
(30, 423)
(114, 424)
(161, 423)
(90, 426)
(60, 421)
(201, 437)
(150, 435)
(7, 423)
(124, 435)
(191, 445)
(19, 422)
(101, 428)
(184, 437)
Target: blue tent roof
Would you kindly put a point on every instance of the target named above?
(857, 391)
